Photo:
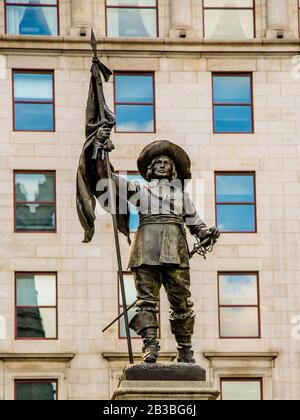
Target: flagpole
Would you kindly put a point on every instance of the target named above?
(112, 194)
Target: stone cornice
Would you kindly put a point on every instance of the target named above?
(144, 46)
(241, 355)
(40, 357)
(122, 356)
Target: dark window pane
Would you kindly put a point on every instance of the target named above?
(235, 188)
(134, 89)
(36, 290)
(135, 118)
(229, 24)
(35, 187)
(34, 117)
(131, 23)
(239, 322)
(232, 89)
(36, 323)
(31, 20)
(241, 390)
(233, 119)
(32, 87)
(238, 290)
(34, 391)
(236, 218)
(35, 217)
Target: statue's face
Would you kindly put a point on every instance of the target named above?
(163, 168)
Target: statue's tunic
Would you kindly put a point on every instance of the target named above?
(161, 236)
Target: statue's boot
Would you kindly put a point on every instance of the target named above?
(183, 329)
(151, 346)
(145, 324)
(185, 352)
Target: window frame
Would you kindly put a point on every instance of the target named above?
(242, 379)
(106, 6)
(129, 173)
(153, 104)
(258, 307)
(12, 3)
(253, 8)
(54, 203)
(33, 71)
(254, 203)
(120, 310)
(298, 18)
(38, 273)
(39, 381)
(251, 104)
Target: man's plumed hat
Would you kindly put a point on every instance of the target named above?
(165, 148)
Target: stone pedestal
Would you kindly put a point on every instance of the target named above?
(171, 382)
(278, 19)
(181, 19)
(82, 20)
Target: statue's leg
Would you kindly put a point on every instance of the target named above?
(182, 317)
(148, 283)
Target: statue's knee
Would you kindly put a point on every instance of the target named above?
(146, 317)
(182, 324)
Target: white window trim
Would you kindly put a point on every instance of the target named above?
(243, 365)
(34, 366)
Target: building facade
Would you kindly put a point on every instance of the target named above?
(221, 79)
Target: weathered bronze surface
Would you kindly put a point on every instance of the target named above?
(159, 252)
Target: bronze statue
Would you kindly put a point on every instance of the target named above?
(159, 252)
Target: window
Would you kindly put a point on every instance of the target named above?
(28, 390)
(236, 202)
(239, 313)
(233, 103)
(134, 102)
(132, 18)
(35, 206)
(32, 17)
(299, 16)
(130, 299)
(36, 306)
(241, 389)
(229, 19)
(130, 291)
(33, 94)
(134, 214)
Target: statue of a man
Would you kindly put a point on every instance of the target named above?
(159, 252)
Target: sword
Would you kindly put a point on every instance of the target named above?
(120, 316)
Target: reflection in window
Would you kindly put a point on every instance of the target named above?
(236, 202)
(35, 201)
(229, 19)
(33, 101)
(36, 303)
(232, 103)
(134, 214)
(241, 389)
(134, 96)
(31, 17)
(130, 299)
(132, 18)
(26, 390)
(239, 305)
